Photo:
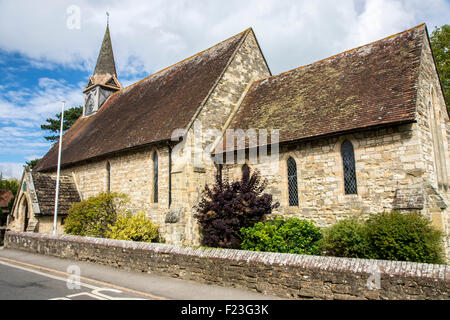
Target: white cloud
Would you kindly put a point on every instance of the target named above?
(149, 35)
(11, 169)
(22, 113)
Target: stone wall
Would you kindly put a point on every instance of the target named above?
(132, 173)
(432, 131)
(386, 161)
(286, 275)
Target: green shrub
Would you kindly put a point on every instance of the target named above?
(405, 237)
(387, 236)
(93, 216)
(279, 235)
(134, 228)
(346, 238)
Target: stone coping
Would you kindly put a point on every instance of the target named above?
(330, 264)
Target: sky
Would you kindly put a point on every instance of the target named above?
(48, 49)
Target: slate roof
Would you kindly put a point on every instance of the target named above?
(369, 86)
(45, 187)
(146, 112)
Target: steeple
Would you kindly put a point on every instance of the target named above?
(105, 60)
(104, 81)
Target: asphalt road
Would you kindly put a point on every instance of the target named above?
(30, 276)
(24, 283)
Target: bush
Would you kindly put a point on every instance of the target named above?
(279, 235)
(405, 237)
(229, 206)
(388, 236)
(133, 227)
(93, 216)
(346, 238)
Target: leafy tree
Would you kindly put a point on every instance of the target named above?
(440, 43)
(8, 184)
(32, 163)
(229, 206)
(53, 124)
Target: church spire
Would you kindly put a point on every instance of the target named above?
(105, 61)
(104, 81)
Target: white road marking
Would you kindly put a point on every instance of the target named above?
(96, 291)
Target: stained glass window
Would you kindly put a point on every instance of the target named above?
(155, 177)
(292, 182)
(108, 177)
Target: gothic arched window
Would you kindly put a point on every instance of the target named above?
(292, 182)
(348, 160)
(108, 177)
(155, 177)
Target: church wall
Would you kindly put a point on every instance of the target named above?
(433, 131)
(190, 177)
(132, 174)
(386, 161)
(430, 102)
(246, 66)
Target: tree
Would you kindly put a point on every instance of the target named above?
(440, 44)
(32, 163)
(53, 124)
(229, 206)
(9, 184)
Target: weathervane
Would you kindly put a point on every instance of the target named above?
(107, 18)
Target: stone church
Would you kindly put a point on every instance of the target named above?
(358, 133)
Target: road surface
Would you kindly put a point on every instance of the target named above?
(30, 276)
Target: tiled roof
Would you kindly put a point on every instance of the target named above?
(148, 111)
(45, 187)
(368, 86)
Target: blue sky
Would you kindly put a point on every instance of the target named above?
(45, 59)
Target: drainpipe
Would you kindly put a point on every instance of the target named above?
(59, 168)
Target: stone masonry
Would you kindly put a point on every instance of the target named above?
(288, 276)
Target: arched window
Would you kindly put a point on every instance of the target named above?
(108, 177)
(348, 160)
(292, 182)
(245, 172)
(155, 177)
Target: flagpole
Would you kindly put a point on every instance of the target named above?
(59, 167)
